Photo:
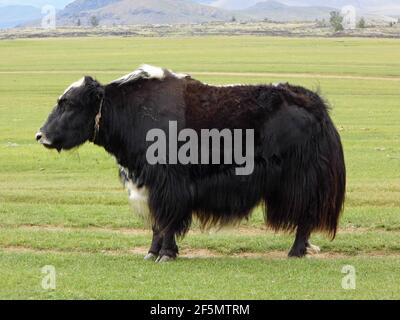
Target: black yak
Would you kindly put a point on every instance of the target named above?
(298, 169)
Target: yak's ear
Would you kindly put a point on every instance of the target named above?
(97, 87)
(89, 80)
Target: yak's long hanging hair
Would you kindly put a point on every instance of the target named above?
(299, 171)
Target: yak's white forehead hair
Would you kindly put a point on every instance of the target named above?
(76, 84)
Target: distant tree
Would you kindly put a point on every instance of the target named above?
(361, 24)
(94, 21)
(391, 24)
(78, 23)
(233, 19)
(321, 23)
(336, 21)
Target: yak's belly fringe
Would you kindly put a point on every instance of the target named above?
(224, 198)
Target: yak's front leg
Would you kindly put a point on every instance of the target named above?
(156, 244)
(169, 249)
(163, 247)
(170, 204)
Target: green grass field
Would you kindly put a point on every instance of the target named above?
(69, 210)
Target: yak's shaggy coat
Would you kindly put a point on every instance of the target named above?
(299, 170)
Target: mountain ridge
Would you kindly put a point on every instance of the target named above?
(277, 11)
(109, 12)
(128, 12)
(13, 15)
(141, 12)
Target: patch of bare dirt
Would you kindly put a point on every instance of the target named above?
(237, 230)
(199, 253)
(202, 253)
(139, 251)
(51, 228)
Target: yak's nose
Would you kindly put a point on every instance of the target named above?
(39, 136)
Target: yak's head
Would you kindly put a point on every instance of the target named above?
(72, 121)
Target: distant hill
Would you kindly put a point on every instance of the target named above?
(230, 4)
(384, 7)
(129, 12)
(12, 16)
(85, 5)
(126, 12)
(277, 11)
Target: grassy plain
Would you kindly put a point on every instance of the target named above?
(69, 210)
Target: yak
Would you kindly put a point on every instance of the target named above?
(298, 175)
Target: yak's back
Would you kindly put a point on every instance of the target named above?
(244, 106)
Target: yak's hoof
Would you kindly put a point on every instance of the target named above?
(150, 257)
(165, 259)
(311, 249)
(297, 253)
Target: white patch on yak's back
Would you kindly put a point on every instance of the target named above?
(229, 85)
(153, 72)
(146, 71)
(179, 75)
(224, 85)
(76, 84)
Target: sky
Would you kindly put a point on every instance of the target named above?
(37, 3)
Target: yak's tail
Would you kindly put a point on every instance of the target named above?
(312, 183)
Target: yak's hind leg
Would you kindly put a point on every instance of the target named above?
(302, 245)
(305, 161)
(312, 249)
